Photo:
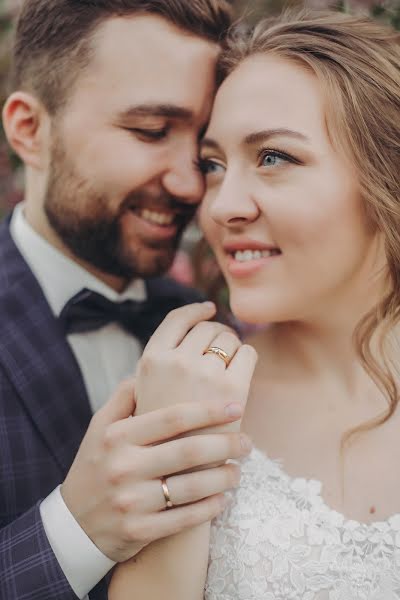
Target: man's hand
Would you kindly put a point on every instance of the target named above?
(114, 490)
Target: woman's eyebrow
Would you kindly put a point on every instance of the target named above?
(257, 137)
(209, 144)
(261, 136)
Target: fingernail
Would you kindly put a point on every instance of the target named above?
(246, 443)
(234, 410)
(209, 305)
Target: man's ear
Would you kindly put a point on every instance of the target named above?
(27, 126)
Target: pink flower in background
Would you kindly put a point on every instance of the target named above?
(182, 270)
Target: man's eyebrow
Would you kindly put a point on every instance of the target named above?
(157, 110)
(261, 136)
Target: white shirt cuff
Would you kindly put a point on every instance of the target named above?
(81, 561)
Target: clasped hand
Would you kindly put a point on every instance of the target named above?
(114, 486)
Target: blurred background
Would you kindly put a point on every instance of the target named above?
(11, 172)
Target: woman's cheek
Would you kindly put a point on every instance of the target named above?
(207, 224)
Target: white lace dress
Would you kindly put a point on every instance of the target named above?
(278, 540)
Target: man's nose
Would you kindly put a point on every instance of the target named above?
(184, 179)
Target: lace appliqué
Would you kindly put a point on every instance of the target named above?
(278, 540)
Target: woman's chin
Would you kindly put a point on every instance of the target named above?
(247, 312)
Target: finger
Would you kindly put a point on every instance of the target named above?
(121, 405)
(229, 343)
(178, 323)
(192, 452)
(200, 337)
(148, 497)
(242, 366)
(171, 522)
(166, 423)
(192, 487)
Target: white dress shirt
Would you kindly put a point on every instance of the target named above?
(105, 357)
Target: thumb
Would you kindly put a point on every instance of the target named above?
(121, 405)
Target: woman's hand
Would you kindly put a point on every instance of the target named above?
(174, 368)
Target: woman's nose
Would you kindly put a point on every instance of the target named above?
(232, 204)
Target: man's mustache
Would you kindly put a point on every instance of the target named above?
(140, 200)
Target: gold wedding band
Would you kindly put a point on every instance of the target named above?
(218, 352)
(167, 496)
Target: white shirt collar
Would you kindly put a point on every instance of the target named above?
(60, 277)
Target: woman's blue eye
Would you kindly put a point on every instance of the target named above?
(272, 159)
(210, 167)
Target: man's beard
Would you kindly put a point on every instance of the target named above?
(83, 220)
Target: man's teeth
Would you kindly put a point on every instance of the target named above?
(246, 255)
(158, 218)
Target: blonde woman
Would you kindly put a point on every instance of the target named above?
(302, 209)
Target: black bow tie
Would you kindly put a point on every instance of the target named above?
(89, 311)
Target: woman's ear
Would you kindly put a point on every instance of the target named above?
(26, 124)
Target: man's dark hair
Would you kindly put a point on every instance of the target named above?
(53, 37)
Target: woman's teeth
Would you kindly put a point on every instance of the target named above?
(158, 218)
(246, 255)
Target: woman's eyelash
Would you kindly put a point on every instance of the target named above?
(207, 165)
(264, 152)
(203, 164)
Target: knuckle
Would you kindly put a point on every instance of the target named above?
(192, 452)
(109, 439)
(189, 518)
(129, 532)
(125, 386)
(219, 328)
(203, 326)
(124, 504)
(137, 532)
(117, 473)
(174, 314)
(174, 419)
(213, 413)
(230, 336)
(192, 488)
(180, 364)
(146, 363)
(205, 380)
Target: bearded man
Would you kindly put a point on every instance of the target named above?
(109, 101)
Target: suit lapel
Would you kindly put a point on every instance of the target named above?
(37, 358)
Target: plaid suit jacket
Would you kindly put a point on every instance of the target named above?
(44, 413)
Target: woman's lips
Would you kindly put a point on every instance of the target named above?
(247, 260)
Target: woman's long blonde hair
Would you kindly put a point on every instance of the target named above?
(357, 61)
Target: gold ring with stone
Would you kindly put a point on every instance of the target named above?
(220, 353)
(168, 501)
